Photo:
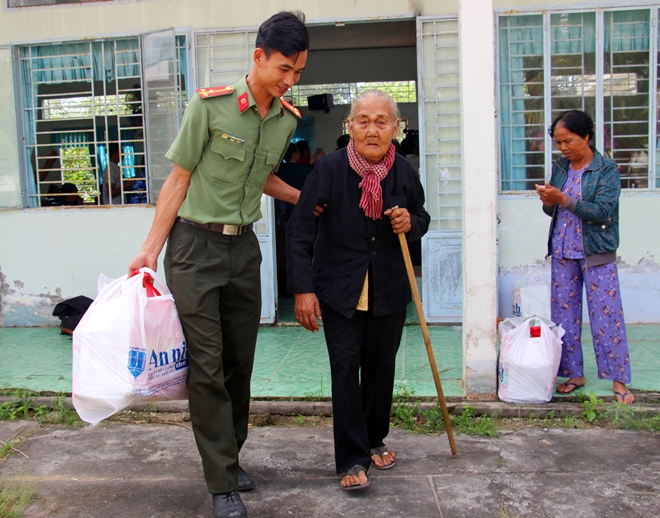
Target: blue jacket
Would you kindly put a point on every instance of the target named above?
(598, 209)
(330, 255)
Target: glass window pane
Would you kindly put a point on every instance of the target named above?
(573, 62)
(626, 93)
(521, 101)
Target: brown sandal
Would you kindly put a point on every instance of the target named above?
(382, 451)
(355, 471)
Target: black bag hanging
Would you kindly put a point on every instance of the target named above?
(70, 312)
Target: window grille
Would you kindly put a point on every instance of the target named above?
(599, 61)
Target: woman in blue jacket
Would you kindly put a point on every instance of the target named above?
(347, 266)
(583, 200)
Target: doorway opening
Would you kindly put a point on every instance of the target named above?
(345, 58)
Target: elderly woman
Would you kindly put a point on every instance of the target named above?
(583, 201)
(348, 267)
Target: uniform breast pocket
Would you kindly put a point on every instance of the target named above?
(272, 157)
(226, 158)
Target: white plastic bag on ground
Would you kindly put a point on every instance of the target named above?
(531, 296)
(128, 348)
(530, 352)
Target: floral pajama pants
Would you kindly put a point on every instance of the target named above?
(608, 328)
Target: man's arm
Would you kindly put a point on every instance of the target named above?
(279, 189)
(171, 197)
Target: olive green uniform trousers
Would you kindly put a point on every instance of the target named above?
(215, 281)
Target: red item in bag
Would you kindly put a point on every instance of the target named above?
(535, 331)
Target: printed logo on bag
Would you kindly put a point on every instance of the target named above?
(179, 358)
(137, 361)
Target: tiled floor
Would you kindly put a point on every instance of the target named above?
(292, 362)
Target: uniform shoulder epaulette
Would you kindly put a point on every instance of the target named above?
(214, 91)
(291, 108)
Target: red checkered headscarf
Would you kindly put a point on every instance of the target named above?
(372, 174)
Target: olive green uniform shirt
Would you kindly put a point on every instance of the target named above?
(230, 151)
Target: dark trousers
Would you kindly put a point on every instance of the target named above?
(362, 352)
(215, 281)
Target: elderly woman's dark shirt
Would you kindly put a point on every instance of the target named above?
(330, 255)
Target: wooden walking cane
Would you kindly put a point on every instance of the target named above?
(427, 338)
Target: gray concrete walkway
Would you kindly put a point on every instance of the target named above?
(119, 470)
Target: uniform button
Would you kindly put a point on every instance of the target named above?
(604, 227)
(373, 239)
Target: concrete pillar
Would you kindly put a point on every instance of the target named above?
(477, 71)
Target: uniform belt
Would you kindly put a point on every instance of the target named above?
(227, 230)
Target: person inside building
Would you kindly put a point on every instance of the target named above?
(347, 267)
(410, 148)
(583, 200)
(231, 139)
(111, 187)
(343, 141)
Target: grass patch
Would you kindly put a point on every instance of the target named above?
(9, 447)
(14, 498)
(60, 413)
(629, 418)
(21, 407)
(409, 416)
(24, 406)
(318, 395)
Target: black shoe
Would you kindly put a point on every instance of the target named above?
(245, 483)
(228, 505)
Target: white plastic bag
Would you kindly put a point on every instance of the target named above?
(528, 364)
(128, 348)
(531, 296)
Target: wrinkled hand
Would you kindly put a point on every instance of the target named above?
(307, 311)
(550, 196)
(400, 220)
(142, 259)
(319, 209)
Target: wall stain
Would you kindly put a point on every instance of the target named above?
(646, 264)
(20, 309)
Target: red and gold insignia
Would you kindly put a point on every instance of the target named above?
(291, 108)
(214, 91)
(243, 102)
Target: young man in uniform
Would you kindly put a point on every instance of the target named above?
(232, 138)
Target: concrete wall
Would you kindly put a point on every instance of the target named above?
(522, 238)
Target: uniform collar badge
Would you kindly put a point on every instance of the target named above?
(243, 102)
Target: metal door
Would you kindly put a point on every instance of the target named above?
(222, 58)
(440, 166)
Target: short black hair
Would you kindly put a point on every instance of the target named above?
(293, 148)
(575, 121)
(113, 148)
(343, 141)
(408, 146)
(303, 148)
(284, 32)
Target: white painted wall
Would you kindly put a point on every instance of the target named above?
(522, 238)
(479, 164)
(51, 254)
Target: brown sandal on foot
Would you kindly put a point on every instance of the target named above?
(355, 471)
